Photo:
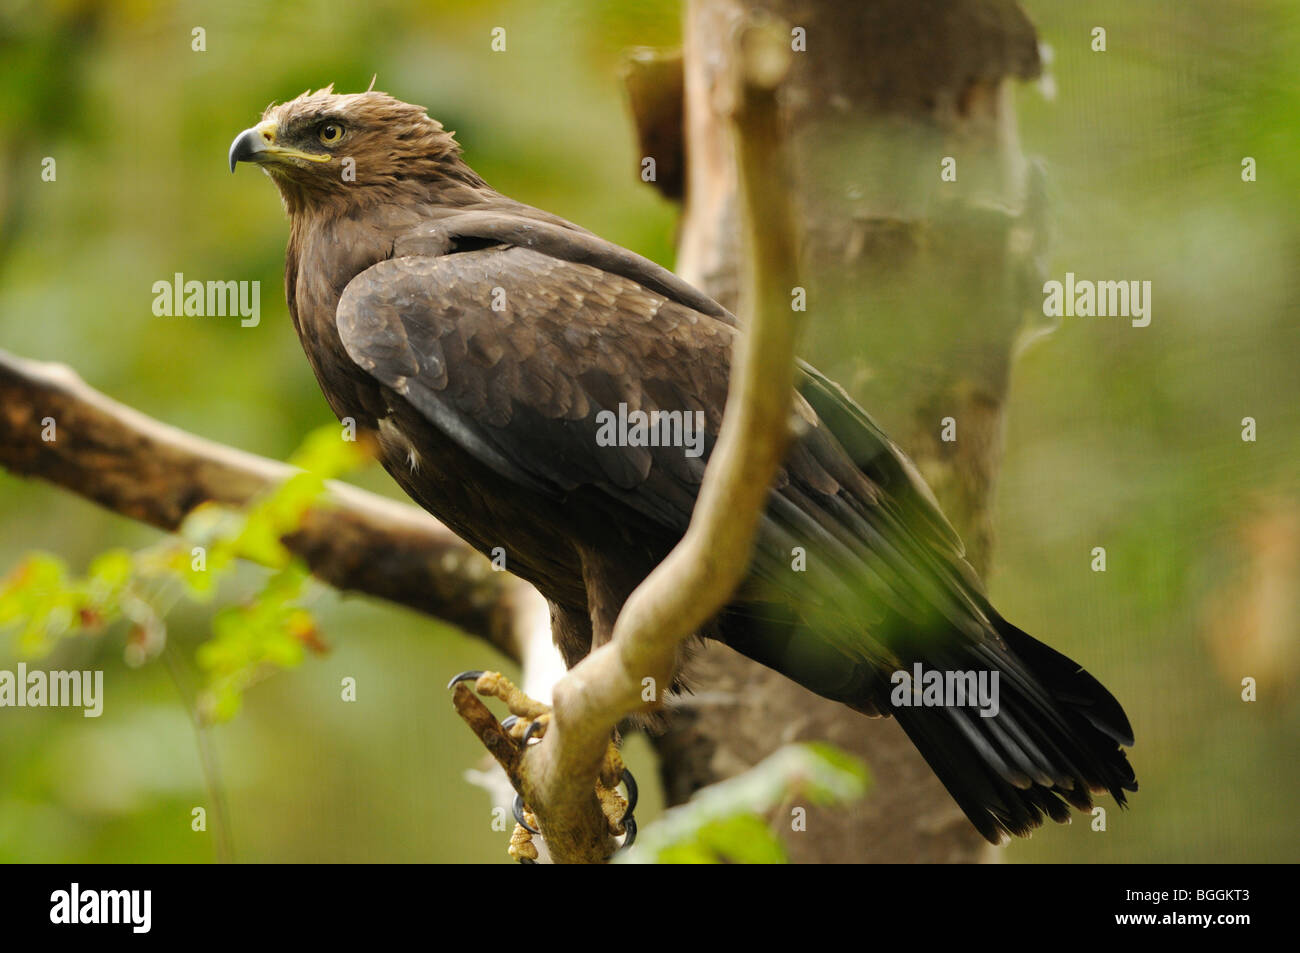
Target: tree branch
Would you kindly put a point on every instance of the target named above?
(132, 464)
(700, 574)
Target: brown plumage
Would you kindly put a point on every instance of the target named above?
(481, 340)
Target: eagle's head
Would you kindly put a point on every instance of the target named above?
(325, 150)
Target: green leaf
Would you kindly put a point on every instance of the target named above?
(38, 598)
(325, 453)
(742, 839)
(725, 821)
(111, 570)
(269, 632)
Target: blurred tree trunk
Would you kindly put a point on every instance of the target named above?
(916, 287)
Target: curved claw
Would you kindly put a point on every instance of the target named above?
(533, 726)
(471, 676)
(629, 825)
(509, 722)
(631, 798)
(518, 809)
(526, 860)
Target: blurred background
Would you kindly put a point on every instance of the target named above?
(1129, 441)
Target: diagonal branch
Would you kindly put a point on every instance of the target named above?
(699, 576)
(146, 470)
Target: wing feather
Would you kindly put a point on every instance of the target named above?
(522, 389)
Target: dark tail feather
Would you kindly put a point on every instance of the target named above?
(1055, 739)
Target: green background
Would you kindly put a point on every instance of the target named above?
(1117, 437)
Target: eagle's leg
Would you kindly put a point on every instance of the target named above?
(528, 720)
(609, 582)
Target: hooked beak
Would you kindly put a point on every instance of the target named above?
(259, 145)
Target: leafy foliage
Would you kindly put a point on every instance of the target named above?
(271, 631)
(724, 823)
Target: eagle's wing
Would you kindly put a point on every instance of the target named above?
(521, 389)
(875, 455)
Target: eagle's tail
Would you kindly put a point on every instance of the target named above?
(1049, 736)
(1044, 736)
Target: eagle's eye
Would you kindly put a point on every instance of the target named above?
(330, 133)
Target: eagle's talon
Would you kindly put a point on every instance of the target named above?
(536, 728)
(470, 676)
(517, 808)
(529, 720)
(630, 783)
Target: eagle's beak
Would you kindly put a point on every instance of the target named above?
(258, 144)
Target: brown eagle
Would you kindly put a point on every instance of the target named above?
(489, 345)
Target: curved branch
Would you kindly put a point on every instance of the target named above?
(700, 574)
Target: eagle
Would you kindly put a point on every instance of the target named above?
(488, 345)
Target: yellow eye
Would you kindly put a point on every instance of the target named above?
(331, 133)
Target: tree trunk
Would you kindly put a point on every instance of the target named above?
(916, 287)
